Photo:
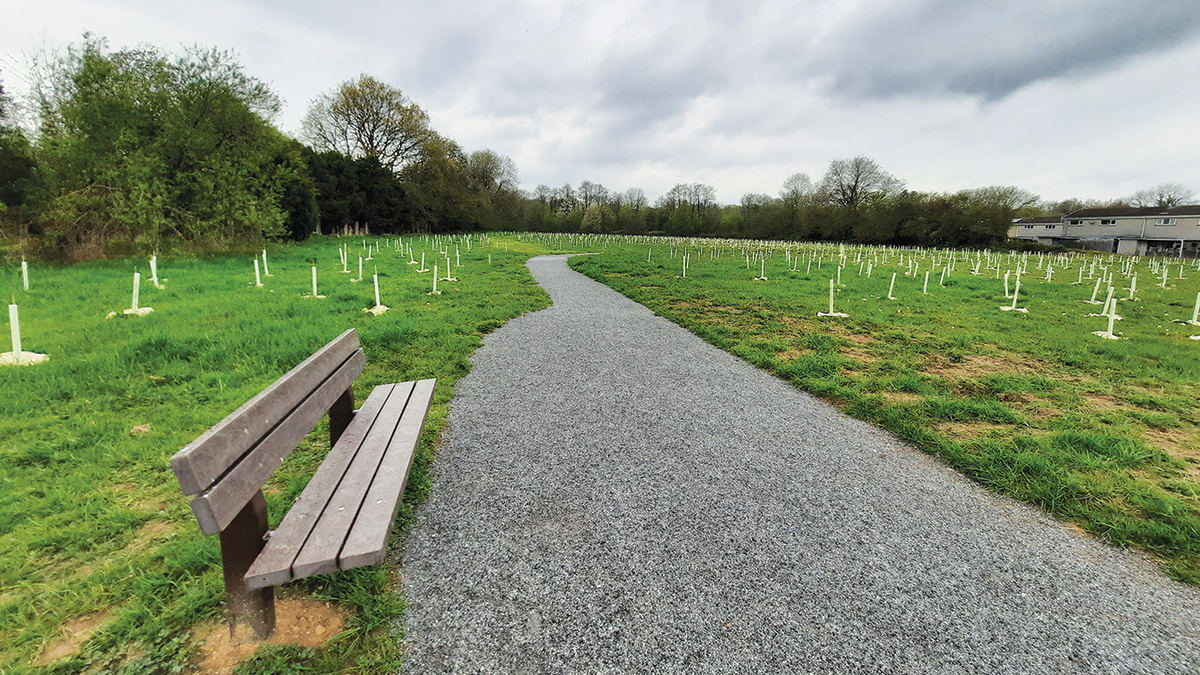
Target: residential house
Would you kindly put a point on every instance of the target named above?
(1156, 231)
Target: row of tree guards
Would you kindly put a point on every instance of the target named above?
(1104, 270)
(983, 261)
(1013, 265)
(20, 357)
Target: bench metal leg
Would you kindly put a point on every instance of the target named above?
(340, 414)
(241, 542)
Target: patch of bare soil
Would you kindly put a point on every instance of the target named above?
(859, 338)
(302, 621)
(75, 633)
(1103, 402)
(155, 529)
(968, 430)
(791, 354)
(901, 397)
(1179, 442)
(976, 365)
(861, 355)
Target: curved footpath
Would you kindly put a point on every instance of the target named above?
(617, 496)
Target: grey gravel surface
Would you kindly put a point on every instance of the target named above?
(617, 496)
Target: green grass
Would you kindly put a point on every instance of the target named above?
(91, 517)
(1099, 432)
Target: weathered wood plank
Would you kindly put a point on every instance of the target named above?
(368, 537)
(215, 507)
(205, 459)
(320, 552)
(274, 566)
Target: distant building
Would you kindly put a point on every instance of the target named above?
(1157, 231)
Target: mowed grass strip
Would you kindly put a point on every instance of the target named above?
(1101, 433)
(93, 527)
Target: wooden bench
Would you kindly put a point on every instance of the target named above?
(344, 516)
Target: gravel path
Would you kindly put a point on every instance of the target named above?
(617, 496)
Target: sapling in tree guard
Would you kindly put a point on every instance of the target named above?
(136, 310)
(25, 274)
(435, 273)
(314, 283)
(1112, 316)
(1016, 292)
(17, 357)
(379, 307)
(831, 312)
(257, 278)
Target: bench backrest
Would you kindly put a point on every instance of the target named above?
(230, 462)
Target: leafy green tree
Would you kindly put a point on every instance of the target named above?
(597, 218)
(440, 189)
(139, 145)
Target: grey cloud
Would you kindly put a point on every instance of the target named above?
(935, 47)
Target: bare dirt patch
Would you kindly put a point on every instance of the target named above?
(155, 529)
(968, 430)
(302, 621)
(860, 339)
(901, 397)
(75, 633)
(976, 365)
(859, 355)
(791, 354)
(1180, 442)
(1104, 402)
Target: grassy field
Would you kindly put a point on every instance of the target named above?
(94, 530)
(1101, 433)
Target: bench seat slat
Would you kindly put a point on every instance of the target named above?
(368, 537)
(205, 459)
(319, 555)
(273, 566)
(216, 507)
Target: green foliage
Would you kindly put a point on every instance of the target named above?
(140, 146)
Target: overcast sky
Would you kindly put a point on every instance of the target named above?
(1065, 98)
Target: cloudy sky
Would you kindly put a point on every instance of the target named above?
(1065, 98)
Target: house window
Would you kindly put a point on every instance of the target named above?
(1165, 221)
(1027, 227)
(1075, 222)
(1050, 227)
(1109, 221)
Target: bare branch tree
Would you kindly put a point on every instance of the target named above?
(368, 118)
(852, 182)
(1165, 195)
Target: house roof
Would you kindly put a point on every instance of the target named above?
(1135, 212)
(1038, 220)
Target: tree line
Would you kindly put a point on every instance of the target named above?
(138, 149)
(855, 200)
